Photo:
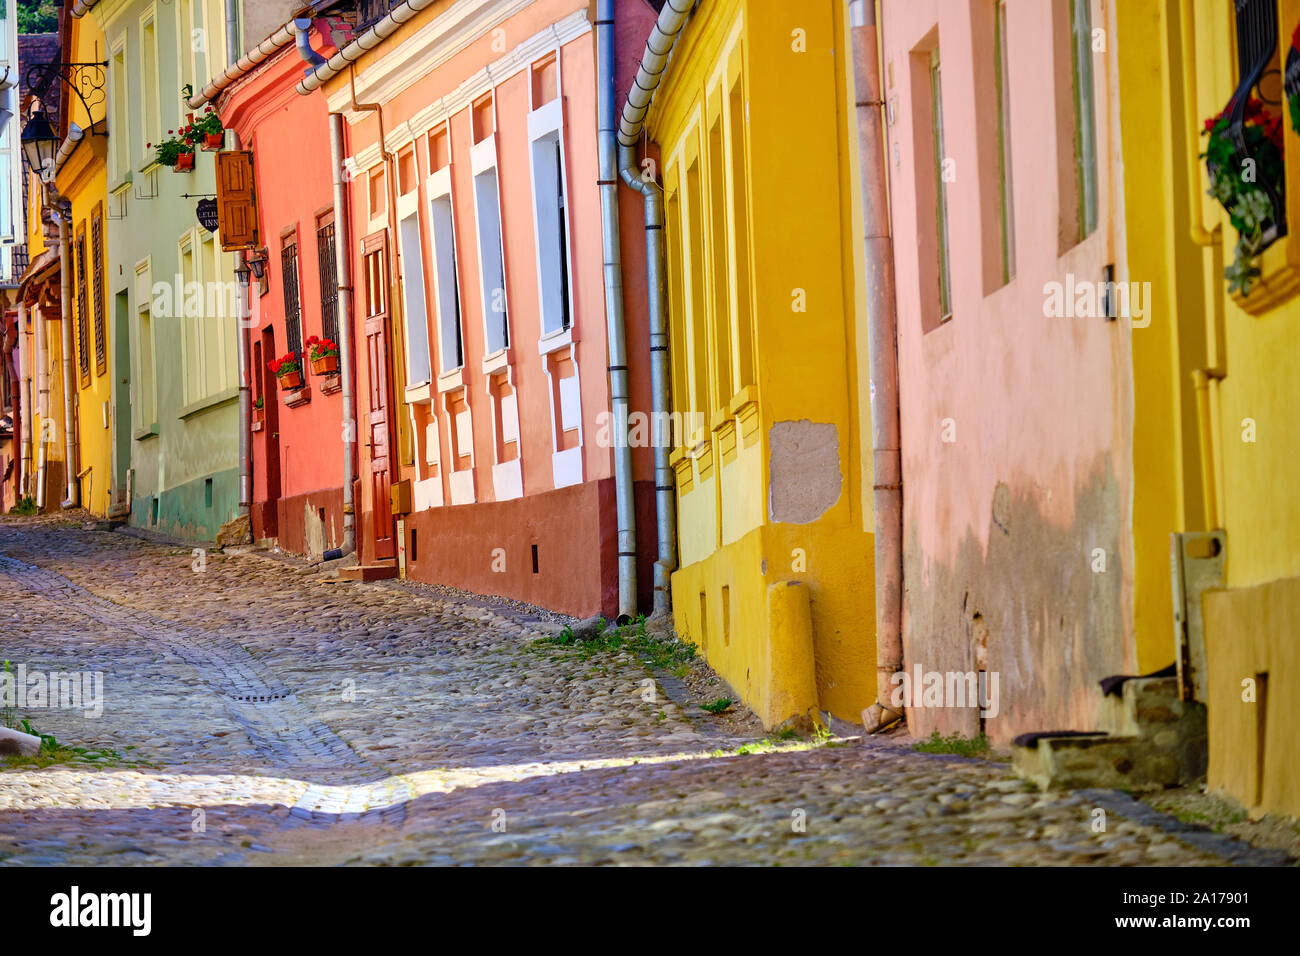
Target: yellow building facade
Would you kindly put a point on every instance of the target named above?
(40, 294)
(768, 351)
(82, 180)
(1222, 407)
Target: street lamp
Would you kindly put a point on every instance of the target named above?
(40, 143)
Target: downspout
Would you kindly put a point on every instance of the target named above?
(71, 461)
(882, 349)
(43, 392)
(242, 327)
(245, 310)
(302, 40)
(25, 398)
(625, 505)
(654, 61)
(343, 279)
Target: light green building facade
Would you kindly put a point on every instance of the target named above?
(170, 287)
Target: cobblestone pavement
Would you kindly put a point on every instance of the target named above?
(262, 713)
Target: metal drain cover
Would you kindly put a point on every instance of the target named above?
(260, 698)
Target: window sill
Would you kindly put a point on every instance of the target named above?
(496, 362)
(213, 401)
(554, 341)
(331, 384)
(449, 381)
(299, 396)
(140, 434)
(1279, 278)
(419, 394)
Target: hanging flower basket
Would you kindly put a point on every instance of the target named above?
(1240, 191)
(324, 355)
(287, 371)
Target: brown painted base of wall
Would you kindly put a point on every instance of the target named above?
(302, 524)
(557, 550)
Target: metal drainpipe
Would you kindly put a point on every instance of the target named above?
(343, 277)
(302, 40)
(43, 392)
(242, 326)
(232, 32)
(71, 461)
(882, 348)
(654, 61)
(616, 334)
(25, 397)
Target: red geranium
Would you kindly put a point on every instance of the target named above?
(286, 365)
(322, 348)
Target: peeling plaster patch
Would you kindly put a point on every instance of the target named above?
(805, 472)
(313, 530)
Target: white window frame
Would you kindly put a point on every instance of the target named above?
(120, 158)
(415, 309)
(491, 242)
(545, 126)
(155, 133)
(446, 271)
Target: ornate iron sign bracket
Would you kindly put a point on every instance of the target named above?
(87, 81)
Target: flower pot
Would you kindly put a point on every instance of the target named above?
(184, 163)
(325, 365)
(212, 142)
(290, 381)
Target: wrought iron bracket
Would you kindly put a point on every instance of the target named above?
(86, 81)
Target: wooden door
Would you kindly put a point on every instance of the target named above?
(270, 392)
(379, 440)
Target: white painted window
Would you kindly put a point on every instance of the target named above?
(550, 219)
(416, 316)
(150, 83)
(119, 138)
(487, 215)
(442, 224)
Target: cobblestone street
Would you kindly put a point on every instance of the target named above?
(257, 712)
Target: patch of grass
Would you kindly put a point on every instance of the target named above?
(717, 706)
(956, 744)
(663, 653)
(25, 506)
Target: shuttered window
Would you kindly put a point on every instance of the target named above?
(83, 313)
(237, 200)
(97, 269)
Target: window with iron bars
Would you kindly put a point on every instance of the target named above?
(292, 303)
(83, 316)
(329, 284)
(1259, 77)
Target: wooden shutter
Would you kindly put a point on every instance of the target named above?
(237, 200)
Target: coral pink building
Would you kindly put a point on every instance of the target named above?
(480, 312)
(296, 445)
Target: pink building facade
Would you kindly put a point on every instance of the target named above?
(480, 316)
(1016, 408)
